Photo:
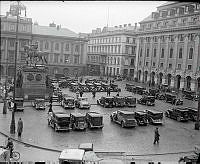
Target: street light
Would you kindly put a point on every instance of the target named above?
(197, 123)
(15, 10)
(6, 91)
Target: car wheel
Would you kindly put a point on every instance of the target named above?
(166, 114)
(178, 119)
(123, 124)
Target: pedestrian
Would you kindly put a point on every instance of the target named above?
(81, 93)
(94, 93)
(50, 108)
(108, 92)
(156, 136)
(20, 127)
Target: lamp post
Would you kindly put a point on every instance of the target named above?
(6, 91)
(197, 123)
(15, 10)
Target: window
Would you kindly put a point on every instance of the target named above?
(24, 28)
(118, 61)
(23, 43)
(66, 58)
(155, 39)
(191, 37)
(180, 55)
(189, 67)
(147, 63)
(56, 58)
(66, 47)
(77, 48)
(140, 63)
(180, 37)
(12, 27)
(57, 46)
(190, 53)
(117, 71)
(171, 53)
(171, 38)
(46, 45)
(12, 43)
(115, 61)
(141, 52)
(11, 56)
(76, 60)
(179, 66)
(119, 49)
(170, 65)
(162, 53)
(154, 64)
(154, 52)
(161, 65)
(147, 52)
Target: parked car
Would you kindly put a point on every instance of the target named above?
(105, 86)
(129, 87)
(190, 95)
(83, 87)
(39, 104)
(119, 101)
(86, 146)
(106, 101)
(153, 91)
(154, 116)
(59, 120)
(94, 120)
(130, 101)
(19, 104)
(124, 118)
(140, 90)
(160, 96)
(98, 87)
(68, 102)
(114, 88)
(78, 121)
(90, 87)
(192, 113)
(147, 100)
(179, 114)
(173, 99)
(141, 118)
(82, 103)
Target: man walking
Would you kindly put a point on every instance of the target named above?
(156, 136)
(20, 127)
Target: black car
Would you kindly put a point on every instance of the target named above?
(192, 113)
(129, 87)
(173, 99)
(130, 101)
(94, 120)
(106, 101)
(141, 118)
(140, 90)
(147, 100)
(78, 121)
(153, 91)
(179, 114)
(119, 101)
(114, 88)
(190, 95)
(160, 96)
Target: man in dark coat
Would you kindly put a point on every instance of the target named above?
(20, 127)
(156, 136)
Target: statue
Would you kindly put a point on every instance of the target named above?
(33, 55)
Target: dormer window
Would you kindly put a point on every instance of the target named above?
(181, 11)
(191, 9)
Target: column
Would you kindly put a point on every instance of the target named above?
(175, 52)
(196, 55)
(5, 56)
(138, 47)
(172, 82)
(182, 82)
(185, 52)
(166, 53)
(158, 53)
(151, 53)
(192, 84)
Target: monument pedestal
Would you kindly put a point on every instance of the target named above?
(34, 86)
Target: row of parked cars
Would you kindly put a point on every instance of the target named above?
(61, 121)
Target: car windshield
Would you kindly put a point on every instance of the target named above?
(80, 118)
(157, 115)
(129, 116)
(63, 119)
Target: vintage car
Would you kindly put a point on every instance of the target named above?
(140, 90)
(129, 87)
(59, 120)
(192, 113)
(147, 100)
(160, 96)
(55, 98)
(68, 102)
(179, 114)
(119, 101)
(141, 118)
(105, 86)
(153, 91)
(83, 87)
(86, 146)
(63, 84)
(74, 87)
(39, 104)
(106, 101)
(82, 103)
(78, 121)
(124, 118)
(190, 95)
(154, 116)
(98, 87)
(130, 101)
(19, 104)
(94, 120)
(114, 88)
(173, 99)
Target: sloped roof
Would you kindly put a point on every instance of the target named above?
(52, 31)
(167, 3)
(149, 18)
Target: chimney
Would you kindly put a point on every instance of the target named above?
(120, 26)
(58, 27)
(116, 26)
(52, 25)
(125, 25)
(129, 24)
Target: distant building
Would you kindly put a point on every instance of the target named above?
(65, 51)
(168, 46)
(112, 51)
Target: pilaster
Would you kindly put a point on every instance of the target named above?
(166, 53)
(196, 55)
(185, 53)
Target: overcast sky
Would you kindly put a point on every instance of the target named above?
(83, 16)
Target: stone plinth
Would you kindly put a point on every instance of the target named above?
(34, 85)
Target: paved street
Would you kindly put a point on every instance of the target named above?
(175, 136)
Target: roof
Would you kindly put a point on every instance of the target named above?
(72, 154)
(94, 114)
(126, 111)
(53, 31)
(86, 146)
(154, 111)
(149, 18)
(78, 114)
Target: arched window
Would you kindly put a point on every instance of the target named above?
(162, 53)
(180, 53)
(154, 53)
(191, 53)
(46, 46)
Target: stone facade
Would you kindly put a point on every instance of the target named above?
(168, 46)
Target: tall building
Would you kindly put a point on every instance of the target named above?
(168, 46)
(65, 51)
(112, 51)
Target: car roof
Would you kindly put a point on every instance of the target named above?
(85, 146)
(154, 111)
(192, 108)
(39, 99)
(126, 111)
(140, 112)
(181, 109)
(78, 114)
(72, 154)
(94, 114)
